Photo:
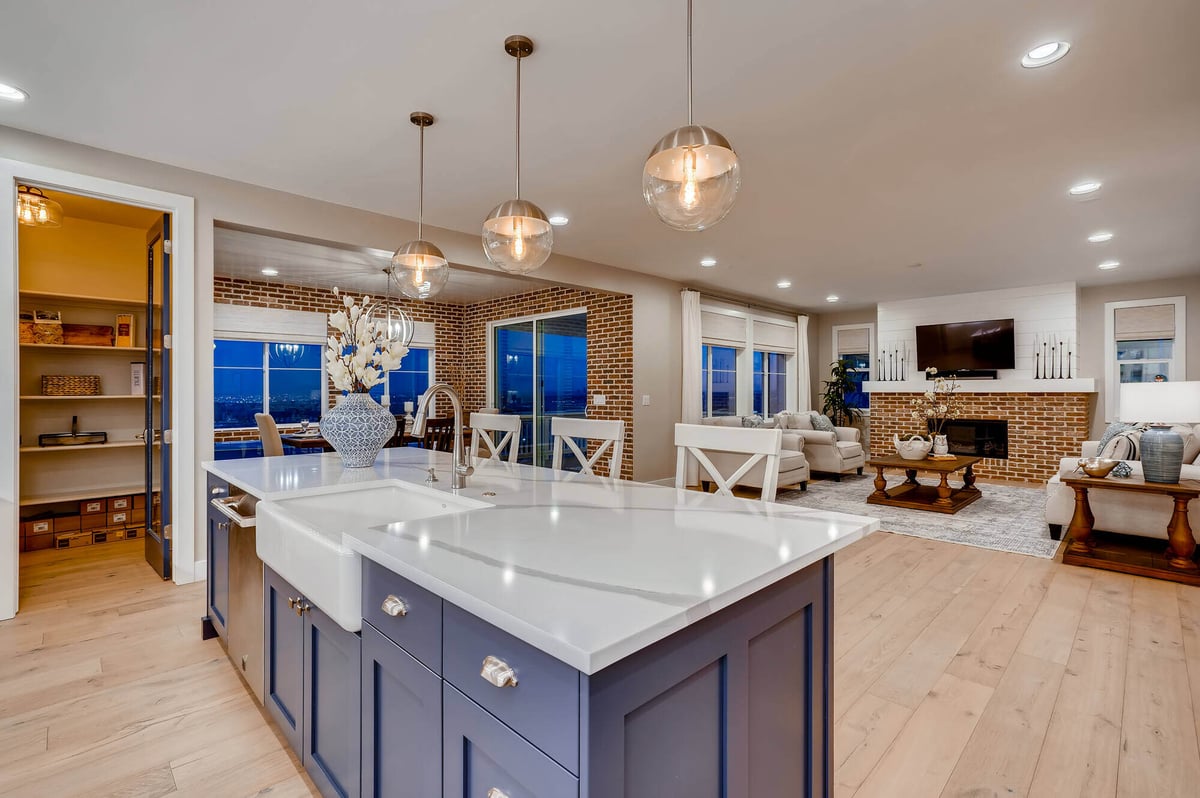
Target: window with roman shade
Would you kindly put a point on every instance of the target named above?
(853, 344)
(1144, 342)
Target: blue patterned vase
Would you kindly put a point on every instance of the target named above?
(357, 427)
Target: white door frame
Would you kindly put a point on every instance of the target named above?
(183, 354)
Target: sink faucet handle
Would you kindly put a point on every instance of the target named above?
(432, 478)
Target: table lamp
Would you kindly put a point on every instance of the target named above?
(1161, 404)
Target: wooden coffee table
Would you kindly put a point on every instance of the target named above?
(1132, 554)
(913, 495)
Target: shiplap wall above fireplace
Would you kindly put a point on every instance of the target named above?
(1037, 312)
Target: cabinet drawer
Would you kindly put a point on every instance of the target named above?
(419, 630)
(483, 757)
(543, 707)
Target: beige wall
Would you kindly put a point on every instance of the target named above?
(1091, 328)
(656, 304)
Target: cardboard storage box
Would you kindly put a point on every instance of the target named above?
(139, 501)
(136, 517)
(110, 534)
(67, 523)
(120, 518)
(93, 521)
(120, 503)
(40, 526)
(39, 542)
(132, 532)
(71, 540)
(93, 506)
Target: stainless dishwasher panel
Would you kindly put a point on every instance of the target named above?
(245, 625)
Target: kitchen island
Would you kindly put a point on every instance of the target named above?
(538, 634)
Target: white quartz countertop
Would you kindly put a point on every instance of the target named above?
(589, 570)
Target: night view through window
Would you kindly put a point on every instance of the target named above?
(251, 377)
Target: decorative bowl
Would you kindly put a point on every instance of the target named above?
(1097, 466)
(915, 448)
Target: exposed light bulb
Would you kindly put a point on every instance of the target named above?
(689, 192)
(518, 247)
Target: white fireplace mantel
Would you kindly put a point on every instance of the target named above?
(1080, 385)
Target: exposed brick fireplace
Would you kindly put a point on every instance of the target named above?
(1042, 428)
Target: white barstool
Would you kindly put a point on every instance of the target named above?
(610, 435)
(759, 445)
(482, 427)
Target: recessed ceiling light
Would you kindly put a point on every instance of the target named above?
(12, 93)
(708, 263)
(1044, 54)
(1109, 265)
(1101, 237)
(558, 220)
(784, 284)
(271, 272)
(1084, 188)
(832, 298)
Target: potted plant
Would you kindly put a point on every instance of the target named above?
(839, 385)
(358, 357)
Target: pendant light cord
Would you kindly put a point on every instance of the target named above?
(689, 61)
(519, 125)
(421, 184)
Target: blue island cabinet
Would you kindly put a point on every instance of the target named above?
(218, 561)
(737, 705)
(313, 686)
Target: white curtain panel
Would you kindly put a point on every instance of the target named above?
(691, 370)
(803, 379)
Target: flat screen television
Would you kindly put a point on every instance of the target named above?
(968, 345)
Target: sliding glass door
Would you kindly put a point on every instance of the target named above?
(540, 372)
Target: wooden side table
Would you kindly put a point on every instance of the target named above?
(1121, 552)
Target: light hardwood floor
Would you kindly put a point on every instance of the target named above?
(960, 672)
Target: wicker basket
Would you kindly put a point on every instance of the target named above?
(70, 385)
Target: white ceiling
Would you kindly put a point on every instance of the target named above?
(244, 254)
(874, 134)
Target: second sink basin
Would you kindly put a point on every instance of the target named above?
(301, 537)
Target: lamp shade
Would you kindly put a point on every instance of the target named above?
(1160, 402)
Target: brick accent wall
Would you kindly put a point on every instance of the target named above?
(1042, 428)
(610, 349)
(461, 356)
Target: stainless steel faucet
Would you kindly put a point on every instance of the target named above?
(462, 466)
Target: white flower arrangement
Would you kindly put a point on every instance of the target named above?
(359, 357)
(937, 405)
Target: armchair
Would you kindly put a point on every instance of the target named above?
(838, 452)
(793, 465)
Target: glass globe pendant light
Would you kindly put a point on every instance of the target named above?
(419, 267)
(692, 175)
(398, 324)
(35, 209)
(517, 236)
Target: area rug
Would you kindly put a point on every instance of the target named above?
(1005, 518)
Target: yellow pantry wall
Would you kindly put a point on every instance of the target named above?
(84, 257)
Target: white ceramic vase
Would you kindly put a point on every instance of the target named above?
(357, 428)
(915, 448)
(940, 445)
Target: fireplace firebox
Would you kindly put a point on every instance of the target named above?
(978, 437)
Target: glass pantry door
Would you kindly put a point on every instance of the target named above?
(541, 372)
(157, 385)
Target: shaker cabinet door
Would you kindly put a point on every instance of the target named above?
(401, 722)
(331, 729)
(283, 629)
(483, 758)
(218, 572)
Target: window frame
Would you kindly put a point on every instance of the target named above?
(744, 349)
(1112, 368)
(266, 371)
(708, 381)
(766, 373)
(871, 348)
(432, 375)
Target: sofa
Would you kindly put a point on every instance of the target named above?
(838, 452)
(793, 464)
(1117, 511)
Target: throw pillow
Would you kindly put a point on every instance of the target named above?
(1113, 430)
(822, 423)
(1124, 445)
(752, 421)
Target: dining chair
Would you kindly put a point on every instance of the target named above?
(439, 435)
(610, 436)
(268, 433)
(482, 427)
(758, 445)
